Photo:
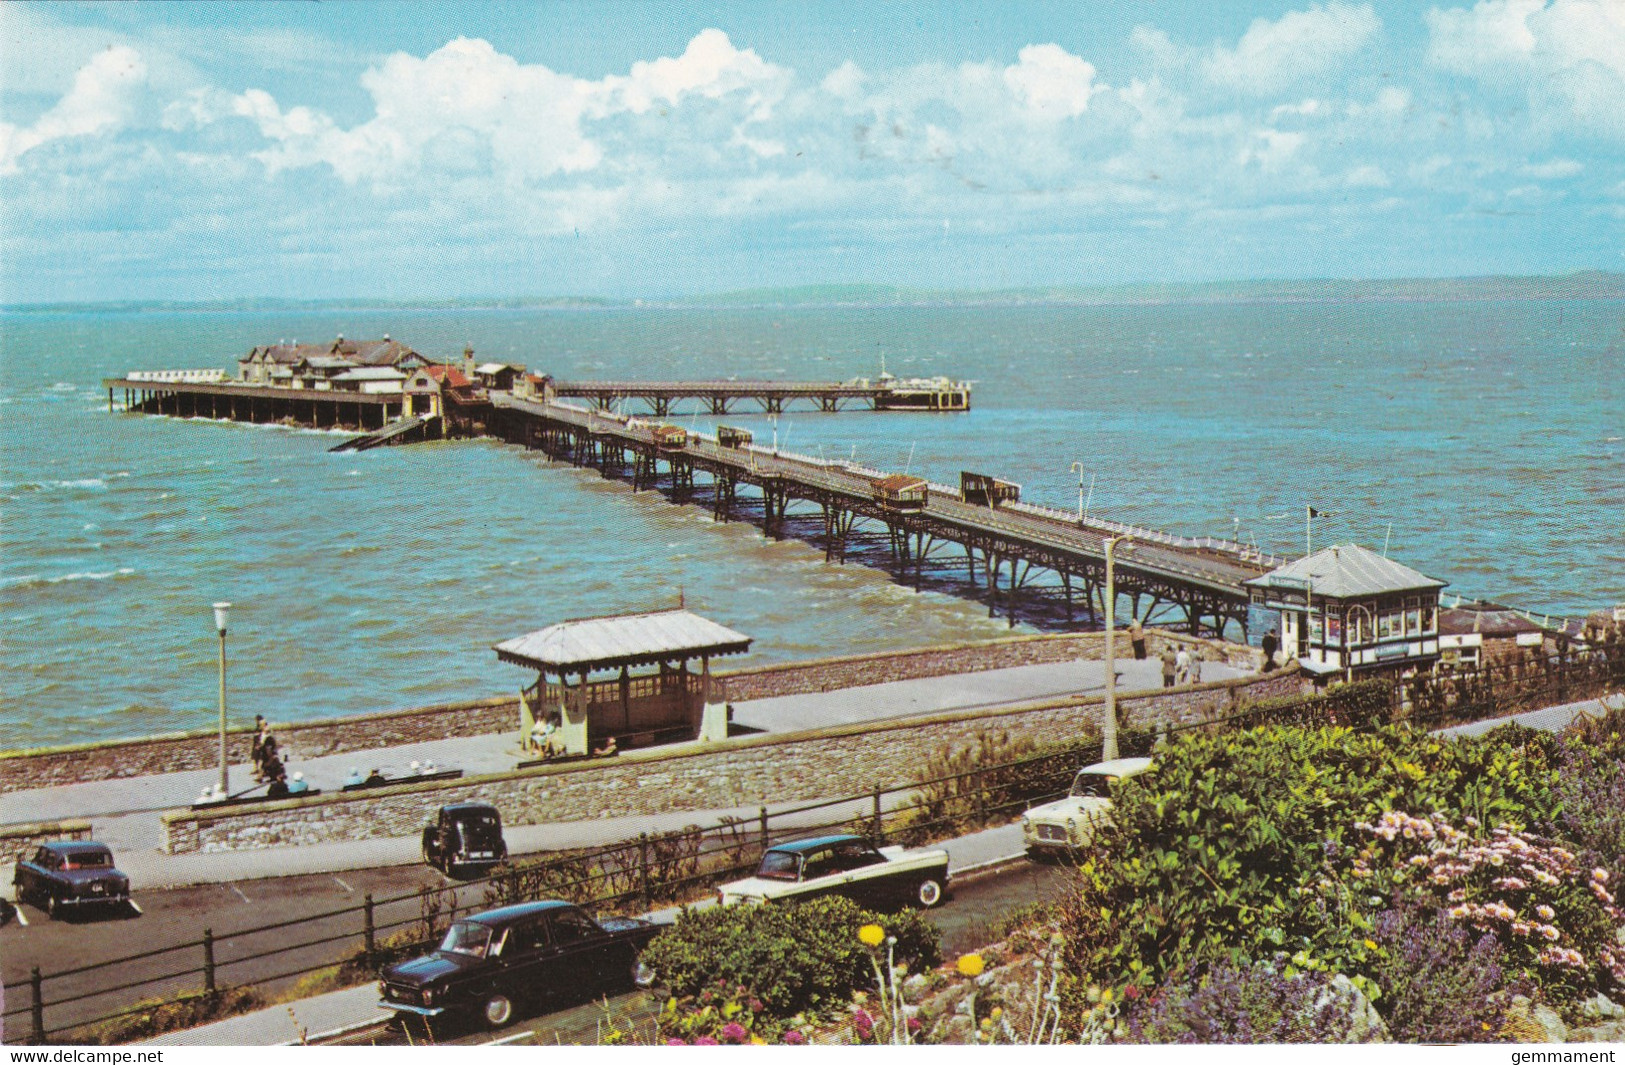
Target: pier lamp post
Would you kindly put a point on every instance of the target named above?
(220, 611)
(1108, 727)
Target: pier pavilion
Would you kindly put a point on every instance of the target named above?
(669, 703)
(1347, 610)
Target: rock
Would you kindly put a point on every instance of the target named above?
(1600, 1007)
(1528, 1022)
(915, 987)
(1368, 1024)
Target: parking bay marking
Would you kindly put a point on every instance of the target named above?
(239, 892)
(343, 885)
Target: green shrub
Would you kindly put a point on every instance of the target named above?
(1250, 1004)
(155, 1017)
(789, 958)
(1228, 851)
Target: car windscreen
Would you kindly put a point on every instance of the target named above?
(466, 937)
(87, 860)
(779, 865)
(1092, 786)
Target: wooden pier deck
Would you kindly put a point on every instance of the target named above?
(769, 397)
(1196, 583)
(230, 400)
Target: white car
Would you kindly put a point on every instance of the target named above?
(1066, 825)
(879, 878)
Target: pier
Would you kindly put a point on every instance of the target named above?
(168, 392)
(774, 397)
(1175, 582)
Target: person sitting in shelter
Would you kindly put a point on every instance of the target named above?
(607, 749)
(278, 788)
(298, 785)
(375, 778)
(354, 780)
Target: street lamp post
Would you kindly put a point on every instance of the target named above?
(1077, 467)
(1108, 729)
(220, 611)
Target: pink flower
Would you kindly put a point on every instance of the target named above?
(734, 1032)
(705, 1041)
(794, 1038)
(676, 1043)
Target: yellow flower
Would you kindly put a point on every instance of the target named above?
(1370, 944)
(996, 1012)
(1106, 994)
(871, 935)
(757, 1041)
(971, 965)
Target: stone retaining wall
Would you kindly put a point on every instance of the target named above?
(17, 842)
(745, 771)
(20, 770)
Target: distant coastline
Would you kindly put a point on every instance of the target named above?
(1586, 285)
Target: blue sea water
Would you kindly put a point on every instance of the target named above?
(1487, 434)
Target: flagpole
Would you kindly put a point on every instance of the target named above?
(1308, 534)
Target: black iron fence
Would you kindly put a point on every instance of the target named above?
(681, 866)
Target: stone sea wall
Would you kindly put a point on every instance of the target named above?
(743, 771)
(21, 770)
(17, 842)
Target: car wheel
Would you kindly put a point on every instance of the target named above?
(498, 1010)
(643, 975)
(929, 893)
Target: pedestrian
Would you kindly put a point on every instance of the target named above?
(1182, 667)
(1169, 665)
(257, 751)
(1136, 636)
(298, 785)
(278, 788)
(355, 779)
(1269, 644)
(375, 778)
(1196, 665)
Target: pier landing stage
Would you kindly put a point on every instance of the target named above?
(771, 397)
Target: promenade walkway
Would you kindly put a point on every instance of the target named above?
(125, 813)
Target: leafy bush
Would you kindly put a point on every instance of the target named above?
(1439, 984)
(1251, 1004)
(1591, 791)
(1362, 704)
(789, 958)
(1227, 851)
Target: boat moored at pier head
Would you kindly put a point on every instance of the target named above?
(919, 393)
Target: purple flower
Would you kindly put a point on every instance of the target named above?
(676, 1043)
(734, 1032)
(794, 1038)
(705, 1041)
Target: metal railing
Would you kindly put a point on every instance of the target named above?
(627, 873)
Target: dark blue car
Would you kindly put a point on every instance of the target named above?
(70, 874)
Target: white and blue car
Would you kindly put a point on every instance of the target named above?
(880, 878)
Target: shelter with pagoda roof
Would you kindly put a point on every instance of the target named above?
(665, 705)
(1347, 610)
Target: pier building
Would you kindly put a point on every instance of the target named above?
(1347, 610)
(673, 703)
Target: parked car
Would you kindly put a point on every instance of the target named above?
(490, 961)
(880, 878)
(1066, 825)
(464, 834)
(67, 874)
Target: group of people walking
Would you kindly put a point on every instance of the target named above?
(1181, 667)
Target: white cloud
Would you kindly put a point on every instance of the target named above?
(711, 67)
(1274, 55)
(1303, 109)
(1568, 56)
(1050, 81)
(104, 95)
(1367, 177)
(1270, 149)
(1553, 169)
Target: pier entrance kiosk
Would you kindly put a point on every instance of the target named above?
(667, 704)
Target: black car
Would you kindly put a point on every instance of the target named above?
(535, 950)
(68, 874)
(464, 834)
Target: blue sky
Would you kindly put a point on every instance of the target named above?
(335, 150)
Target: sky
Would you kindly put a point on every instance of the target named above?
(338, 150)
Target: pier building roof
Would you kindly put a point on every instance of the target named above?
(622, 640)
(371, 373)
(1346, 571)
(1488, 619)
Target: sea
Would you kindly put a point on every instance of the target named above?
(1479, 441)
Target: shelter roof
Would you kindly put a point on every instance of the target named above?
(1490, 619)
(450, 376)
(899, 482)
(497, 367)
(1346, 571)
(371, 373)
(622, 640)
